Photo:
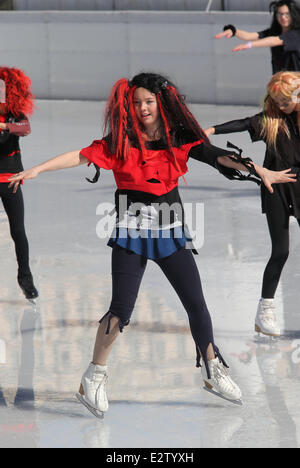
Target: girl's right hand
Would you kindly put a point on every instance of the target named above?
(209, 131)
(228, 34)
(16, 179)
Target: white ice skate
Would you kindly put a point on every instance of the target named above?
(220, 383)
(266, 321)
(92, 392)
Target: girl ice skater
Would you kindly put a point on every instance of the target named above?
(279, 127)
(15, 107)
(149, 136)
(283, 36)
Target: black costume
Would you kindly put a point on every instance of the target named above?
(129, 257)
(286, 57)
(10, 163)
(285, 201)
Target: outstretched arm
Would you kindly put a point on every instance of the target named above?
(268, 177)
(63, 161)
(240, 34)
(254, 39)
(272, 41)
(250, 124)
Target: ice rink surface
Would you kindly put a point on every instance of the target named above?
(155, 391)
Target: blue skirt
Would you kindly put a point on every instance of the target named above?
(151, 244)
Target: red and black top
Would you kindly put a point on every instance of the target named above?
(10, 155)
(157, 174)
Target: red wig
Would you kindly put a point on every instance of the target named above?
(123, 128)
(18, 98)
(116, 118)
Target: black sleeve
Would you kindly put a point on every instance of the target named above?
(209, 154)
(234, 126)
(250, 124)
(265, 33)
(291, 40)
(4, 136)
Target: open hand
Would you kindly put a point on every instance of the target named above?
(276, 177)
(16, 179)
(228, 34)
(241, 47)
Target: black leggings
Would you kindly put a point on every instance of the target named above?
(181, 270)
(278, 222)
(14, 206)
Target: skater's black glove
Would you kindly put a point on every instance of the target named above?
(96, 176)
(235, 174)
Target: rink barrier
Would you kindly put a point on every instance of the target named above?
(202, 5)
(78, 55)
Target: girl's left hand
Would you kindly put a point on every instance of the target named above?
(241, 47)
(276, 177)
(2, 126)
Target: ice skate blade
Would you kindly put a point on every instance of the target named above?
(265, 339)
(235, 402)
(32, 301)
(259, 331)
(98, 414)
(27, 297)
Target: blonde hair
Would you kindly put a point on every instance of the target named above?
(284, 85)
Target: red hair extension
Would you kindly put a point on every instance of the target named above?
(121, 120)
(19, 98)
(122, 137)
(116, 117)
(115, 114)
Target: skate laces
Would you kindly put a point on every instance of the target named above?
(101, 386)
(268, 315)
(267, 307)
(100, 377)
(220, 374)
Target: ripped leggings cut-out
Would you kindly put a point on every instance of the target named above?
(181, 270)
(110, 315)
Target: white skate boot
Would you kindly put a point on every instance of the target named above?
(92, 392)
(266, 321)
(220, 383)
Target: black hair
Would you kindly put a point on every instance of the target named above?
(151, 81)
(172, 106)
(294, 8)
